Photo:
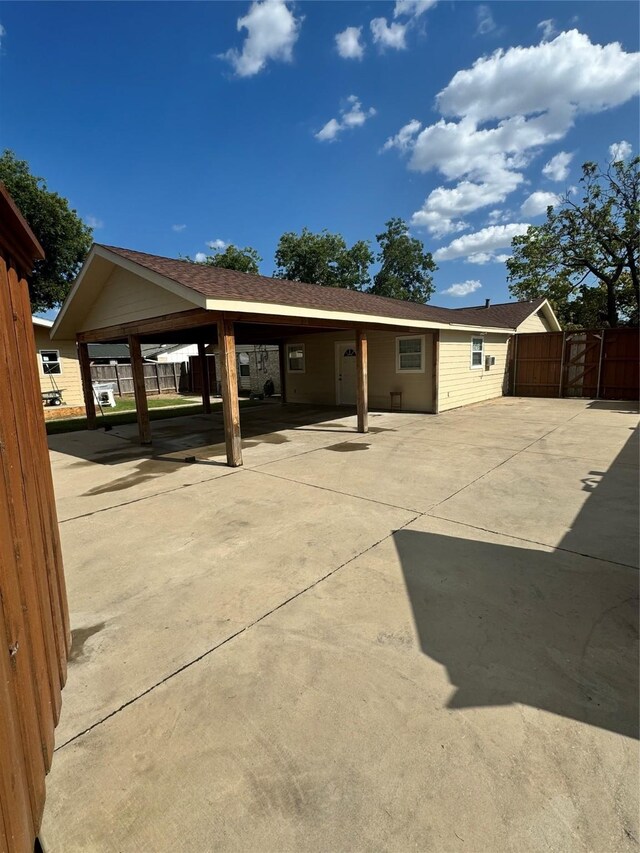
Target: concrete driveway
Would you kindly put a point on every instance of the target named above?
(424, 638)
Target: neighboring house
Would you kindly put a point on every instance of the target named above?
(255, 364)
(101, 354)
(58, 365)
(418, 357)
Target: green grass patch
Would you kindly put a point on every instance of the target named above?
(158, 410)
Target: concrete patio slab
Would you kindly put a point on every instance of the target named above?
(283, 658)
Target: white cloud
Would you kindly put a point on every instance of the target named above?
(405, 138)
(559, 78)
(388, 35)
(538, 202)
(412, 8)
(200, 257)
(557, 169)
(351, 115)
(94, 222)
(178, 228)
(486, 24)
(218, 244)
(619, 150)
(480, 247)
(548, 28)
(442, 208)
(463, 289)
(272, 31)
(504, 108)
(348, 43)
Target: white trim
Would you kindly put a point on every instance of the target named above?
(473, 366)
(39, 321)
(338, 347)
(241, 307)
(399, 338)
(304, 359)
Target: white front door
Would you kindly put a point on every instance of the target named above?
(346, 373)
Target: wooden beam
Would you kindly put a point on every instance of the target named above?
(154, 325)
(362, 381)
(436, 368)
(142, 408)
(87, 385)
(282, 355)
(229, 381)
(204, 372)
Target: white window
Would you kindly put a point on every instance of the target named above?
(243, 361)
(50, 361)
(410, 354)
(477, 352)
(295, 358)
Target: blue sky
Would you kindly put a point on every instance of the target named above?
(173, 125)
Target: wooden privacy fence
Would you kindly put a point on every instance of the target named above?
(34, 623)
(598, 363)
(158, 378)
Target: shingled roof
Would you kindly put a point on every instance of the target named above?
(218, 283)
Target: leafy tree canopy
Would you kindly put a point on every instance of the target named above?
(585, 257)
(65, 238)
(406, 269)
(233, 258)
(323, 258)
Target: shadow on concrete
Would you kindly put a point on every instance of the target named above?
(201, 433)
(553, 630)
(621, 406)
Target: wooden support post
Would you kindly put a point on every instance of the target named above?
(175, 376)
(206, 382)
(362, 386)
(87, 385)
(282, 355)
(229, 381)
(139, 389)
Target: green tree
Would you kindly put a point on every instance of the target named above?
(323, 258)
(65, 238)
(233, 258)
(585, 257)
(405, 268)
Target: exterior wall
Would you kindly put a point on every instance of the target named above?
(318, 383)
(69, 380)
(178, 355)
(534, 323)
(458, 383)
(264, 363)
(126, 297)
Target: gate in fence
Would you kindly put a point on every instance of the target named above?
(597, 363)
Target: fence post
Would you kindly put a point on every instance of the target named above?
(600, 363)
(175, 376)
(158, 380)
(118, 380)
(564, 346)
(515, 366)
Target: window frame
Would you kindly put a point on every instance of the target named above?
(423, 355)
(57, 360)
(304, 358)
(473, 366)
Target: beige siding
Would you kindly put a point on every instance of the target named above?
(535, 323)
(318, 383)
(458, 383)
(126, 297)
(69, 380)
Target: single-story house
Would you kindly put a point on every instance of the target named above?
(337, 347)
(58, 365)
